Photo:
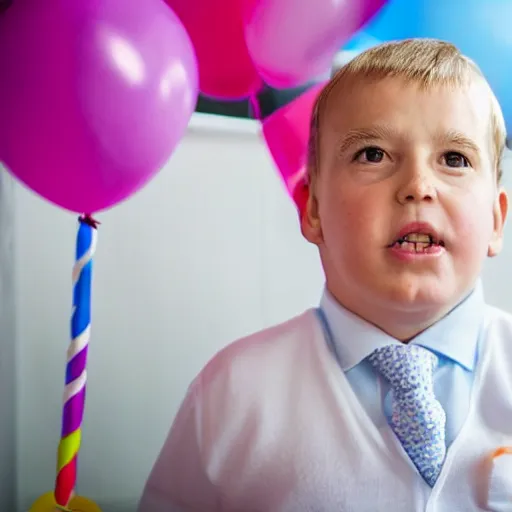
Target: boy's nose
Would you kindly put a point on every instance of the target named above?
(418, 188)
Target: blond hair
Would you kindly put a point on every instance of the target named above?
(427, 62)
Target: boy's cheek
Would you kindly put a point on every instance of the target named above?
(471, 217)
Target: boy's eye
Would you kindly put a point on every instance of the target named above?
(371, 154)
(454, 159)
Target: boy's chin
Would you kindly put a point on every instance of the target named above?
(419, 293)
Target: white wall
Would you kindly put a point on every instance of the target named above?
(208, 252)
(497, 273)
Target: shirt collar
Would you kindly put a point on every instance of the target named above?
(455, 336)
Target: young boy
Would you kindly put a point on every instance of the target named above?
(396, 393)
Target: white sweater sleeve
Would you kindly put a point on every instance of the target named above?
(178, 481)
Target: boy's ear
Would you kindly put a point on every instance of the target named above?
(500, 210)
(310, 220)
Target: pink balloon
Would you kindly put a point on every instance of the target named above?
(286, 133)
(291, 41)
(216, 28)
(94, 97)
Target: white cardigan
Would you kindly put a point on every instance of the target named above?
(272, 425)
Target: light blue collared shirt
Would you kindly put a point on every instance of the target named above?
(454, 339)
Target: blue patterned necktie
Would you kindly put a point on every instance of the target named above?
(418, 419)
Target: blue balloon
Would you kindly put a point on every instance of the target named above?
(482, 29)
(360, 42)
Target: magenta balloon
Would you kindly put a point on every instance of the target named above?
(294, 41)
(286, 133)
(94, 96)
(216, 29)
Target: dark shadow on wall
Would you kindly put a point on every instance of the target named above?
(269, 100)
(8, 469)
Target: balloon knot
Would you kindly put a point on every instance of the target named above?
(87, 219)
(254, 102)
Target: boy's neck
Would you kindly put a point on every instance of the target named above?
(403, 325)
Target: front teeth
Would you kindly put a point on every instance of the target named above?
(414, 246)
(418, 238)
(417, 242)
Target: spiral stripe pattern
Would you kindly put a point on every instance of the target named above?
(76, 375)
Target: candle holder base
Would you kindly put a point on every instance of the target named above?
(46, 503)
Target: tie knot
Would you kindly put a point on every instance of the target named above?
(406, 367)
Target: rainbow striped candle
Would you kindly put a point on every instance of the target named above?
(76, 376)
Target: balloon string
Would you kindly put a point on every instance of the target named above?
(87, 219)
(255, 106)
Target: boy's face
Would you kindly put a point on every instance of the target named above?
(396, 160)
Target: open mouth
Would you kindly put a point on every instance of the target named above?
(418, 242)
